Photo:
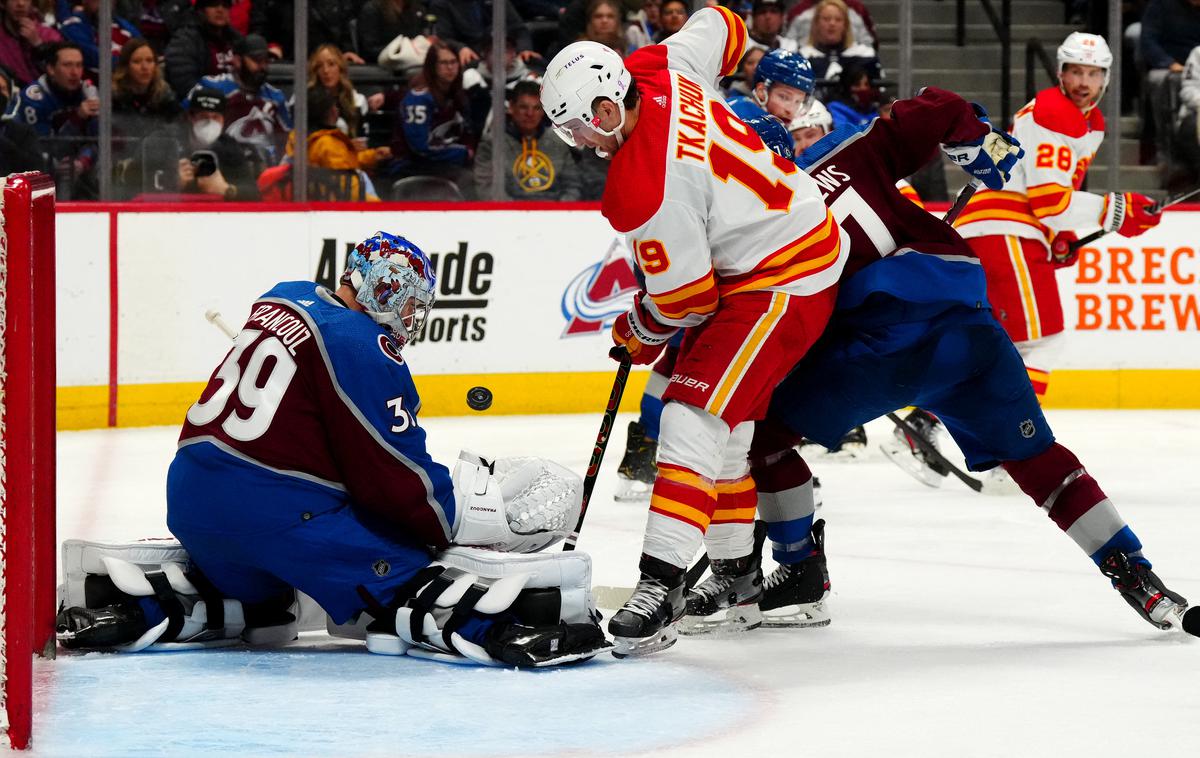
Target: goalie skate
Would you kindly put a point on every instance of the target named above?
(636, 473)
(908, 455)
(794, 595)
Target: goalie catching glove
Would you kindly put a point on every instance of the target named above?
(991, 158)
(517, 505)
(640, 334)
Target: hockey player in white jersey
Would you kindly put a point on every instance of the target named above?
(736, 245)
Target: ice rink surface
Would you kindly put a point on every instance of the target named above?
(963, 625)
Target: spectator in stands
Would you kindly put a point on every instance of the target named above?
(800, 17)
(1186, 173)
(327, 70)
(672, 15)
(80, 27)
(1170, 30)
(434, 137)
(540, 166)
(857, 100)
(743, 83)
(256, 113)
(21, 32)
(142, 100)
(831, 46)
(156, 20)
(604, 25)
(145, 121)
(203, 47)
(466, 25)
(391, 34)
(766, 25)
(214, 163)
(330, 148)
(62, 108)
(643, 25)
(20, 149)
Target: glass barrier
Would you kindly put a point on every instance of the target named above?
(389, 99)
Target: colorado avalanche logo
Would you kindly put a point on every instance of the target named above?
(600, 293)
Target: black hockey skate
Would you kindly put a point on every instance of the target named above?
(794, 595)
(646, 623)
(538, 646)
(852, 446)
(635, 475)
(1144, 591)
(727, 601)
(908, 455)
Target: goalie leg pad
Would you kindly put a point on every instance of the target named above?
(539, 605)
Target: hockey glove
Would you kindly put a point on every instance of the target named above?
(641, 336)
(991, 158)
(1129, 214)
(1061, 254)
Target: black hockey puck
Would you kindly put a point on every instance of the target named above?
(479, 398)
(1191, 621)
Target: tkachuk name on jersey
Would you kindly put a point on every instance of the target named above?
(688, 381)
(691, 118)
(830, 179)
(277, 320)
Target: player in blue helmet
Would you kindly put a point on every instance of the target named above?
(783, 87)
(773, 133)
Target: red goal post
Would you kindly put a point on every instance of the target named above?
(27, 445)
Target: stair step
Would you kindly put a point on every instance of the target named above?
(1050, 34)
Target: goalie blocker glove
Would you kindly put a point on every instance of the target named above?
(991, 158)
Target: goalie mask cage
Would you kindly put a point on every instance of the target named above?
(27, 382)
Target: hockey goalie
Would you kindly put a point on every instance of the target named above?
(302, 468)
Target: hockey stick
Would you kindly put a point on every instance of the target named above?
(961, 200)
(214, 318)
(1156, 208)
(934, 454)
(606, 426)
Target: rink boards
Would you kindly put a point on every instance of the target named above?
(526, 296)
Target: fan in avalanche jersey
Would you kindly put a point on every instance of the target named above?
(913, 327)
(1011, 230)
(735, 245)
(302, 467)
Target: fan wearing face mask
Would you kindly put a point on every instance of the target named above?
(213, 163)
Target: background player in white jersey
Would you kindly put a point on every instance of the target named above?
(735, 245)
(302, 467)
(1012, 229)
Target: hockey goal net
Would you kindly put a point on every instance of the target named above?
(27, 382)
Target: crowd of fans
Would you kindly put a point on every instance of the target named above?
(196, 110)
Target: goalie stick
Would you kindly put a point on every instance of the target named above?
(606, 426)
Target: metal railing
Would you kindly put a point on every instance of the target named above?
(1035, 52)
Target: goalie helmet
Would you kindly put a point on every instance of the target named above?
(1086, 50)
(785, 67)
(394, 281)
(580, 73)
(774, 134)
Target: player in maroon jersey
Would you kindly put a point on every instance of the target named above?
(913, 327)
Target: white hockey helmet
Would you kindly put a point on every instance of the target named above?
(1086, 50)
(816, 115)
(580, 73)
